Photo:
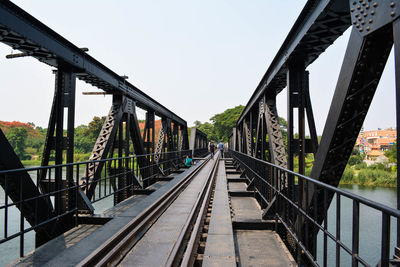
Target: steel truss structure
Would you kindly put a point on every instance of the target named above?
(375, 28)
(198, 142)
(119, 134)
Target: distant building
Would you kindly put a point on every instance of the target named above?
(374, 143)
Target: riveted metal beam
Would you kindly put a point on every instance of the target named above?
(22, 31)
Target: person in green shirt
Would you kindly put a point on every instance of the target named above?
(188, 161)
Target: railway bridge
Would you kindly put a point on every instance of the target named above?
(244, 206)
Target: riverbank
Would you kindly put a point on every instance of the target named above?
(377, 174)
(369, 177)
(77, 158)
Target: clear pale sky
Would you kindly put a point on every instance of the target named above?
(197, 58)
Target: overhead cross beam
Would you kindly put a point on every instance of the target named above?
(311, 34)
(22, 31)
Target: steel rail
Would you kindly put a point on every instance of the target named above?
(115, 248)
(24, 32)
(195, 218)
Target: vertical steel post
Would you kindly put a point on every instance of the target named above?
(301, 123)
(127, 168)
(251, 123)
(149, 143)
(310, 114)
(396, 39)
(290, 105)
(296, 81)
(65, 98)
(59, 140)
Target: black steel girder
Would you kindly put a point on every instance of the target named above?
(22, 31)
(320, 23)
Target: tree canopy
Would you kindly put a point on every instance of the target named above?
(391, 154)
(221, 124)
(17, 137)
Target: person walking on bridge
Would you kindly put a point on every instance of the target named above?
(211, 148)
(221, 148)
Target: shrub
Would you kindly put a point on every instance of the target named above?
(362, 176)
(386, 178)
(348, 175)
(355, 159)
(379, 166)
(376, 177)
(360, 166)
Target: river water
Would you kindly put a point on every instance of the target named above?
(370, 226)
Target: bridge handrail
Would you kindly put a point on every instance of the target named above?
(84, 162)
(363, 200)
(303, 214)
(138, 178)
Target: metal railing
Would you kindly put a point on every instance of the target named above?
(304, 214)
(63, 190)
(200, 152)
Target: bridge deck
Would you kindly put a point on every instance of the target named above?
(253, 247)
(155, 246)
(230, 239)
(220, 247)
(66, 250)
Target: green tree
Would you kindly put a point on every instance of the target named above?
(283, 124)
(225, 121)
(209, 130)
(391, 154)
(94, 127)
(197, 123)
(221, 125)
(86, 136)
(17, 137)
(83, 142)
(355, 159)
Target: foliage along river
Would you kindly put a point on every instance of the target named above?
(370, 230)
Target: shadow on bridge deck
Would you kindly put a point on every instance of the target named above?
(73, 246)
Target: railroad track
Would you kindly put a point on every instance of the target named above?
(188, 248)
